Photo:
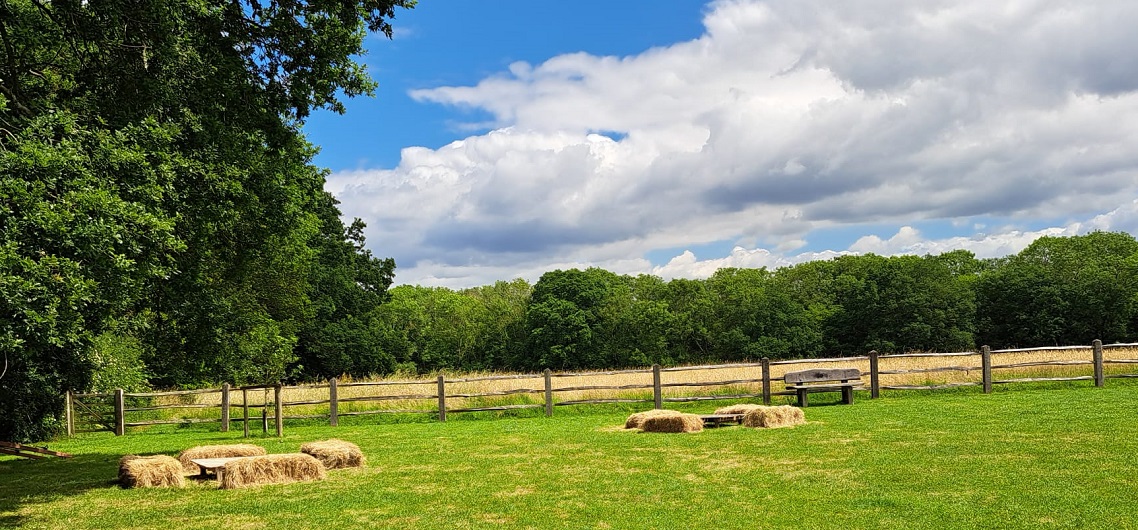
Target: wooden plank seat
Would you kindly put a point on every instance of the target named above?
(805, 382)
(716, 420)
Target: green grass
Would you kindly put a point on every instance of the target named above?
(1055, 456)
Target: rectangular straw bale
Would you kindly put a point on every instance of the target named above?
(780, 416)
(335, 454)
(215, 451)
(673, 423)
(150, 472)
(636, 420)
(270, 469)
(740, 408)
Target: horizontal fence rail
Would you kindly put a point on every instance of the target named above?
(273, 404)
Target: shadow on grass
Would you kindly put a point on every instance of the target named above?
(26, 482)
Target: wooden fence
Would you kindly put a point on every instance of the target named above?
(444, 396)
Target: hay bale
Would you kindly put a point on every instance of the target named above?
(270, 469)
(741, 408)
(636, 420)
(673, 423)
(770, 417)
(150, 472)
(215, 451)
(335, 454)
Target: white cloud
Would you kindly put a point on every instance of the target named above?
(784, 117)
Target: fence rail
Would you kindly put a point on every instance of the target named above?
(87, 412)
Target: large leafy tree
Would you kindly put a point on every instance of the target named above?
(156, 185)
(1062, 290)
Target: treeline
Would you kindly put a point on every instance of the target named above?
(1058, 291)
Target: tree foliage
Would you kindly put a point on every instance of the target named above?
(156, 187)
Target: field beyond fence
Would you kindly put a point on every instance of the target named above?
(265, 408)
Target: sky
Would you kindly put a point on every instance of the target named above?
(674, 138)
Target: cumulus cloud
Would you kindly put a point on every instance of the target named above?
(784, 117)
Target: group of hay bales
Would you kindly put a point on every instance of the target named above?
(251, 467)
(663, 420)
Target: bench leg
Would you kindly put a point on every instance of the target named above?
(801, 393)
(847, 395)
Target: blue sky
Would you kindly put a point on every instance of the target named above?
(677, 137)
(460, 42)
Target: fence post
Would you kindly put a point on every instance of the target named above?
(657, 391)
(245, 410)
(333, 403)
(986, 367)
(120, 413)
(67, 414)
(442, 398)
(279, 410)
(1100, 376)
(548, 393)
(874, 384)
(225, 407)
(766, 381)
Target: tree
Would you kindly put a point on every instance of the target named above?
(1062, 290)
(74, 257)
(172, 130)
(758, 317)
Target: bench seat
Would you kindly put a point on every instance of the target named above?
(844, 380)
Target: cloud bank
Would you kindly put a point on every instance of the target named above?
(785, 117)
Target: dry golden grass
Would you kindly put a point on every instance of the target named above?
(271, 469)
(772, 417)
(402, 395)
(335, 454)
(150, 472)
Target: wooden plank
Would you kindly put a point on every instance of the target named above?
(822, 374)
(823, 360)
(13, 446)
(601, 387)
(17, 452)
(929, 387)
(714, 383)
(931, 370)
(717, 420)
(1043, 379)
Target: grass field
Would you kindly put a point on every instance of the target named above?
(1041, 456)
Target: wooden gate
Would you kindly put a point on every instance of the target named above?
(91, 413)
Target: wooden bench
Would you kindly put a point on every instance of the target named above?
(843, 380)
(716, 420)
(216, 465)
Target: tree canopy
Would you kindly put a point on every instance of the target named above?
(157, 190)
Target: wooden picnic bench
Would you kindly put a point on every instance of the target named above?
(843, 380)
(716, 420)
(216, 465)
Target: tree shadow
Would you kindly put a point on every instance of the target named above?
(26, 482)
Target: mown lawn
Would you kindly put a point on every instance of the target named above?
(1060, 456)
